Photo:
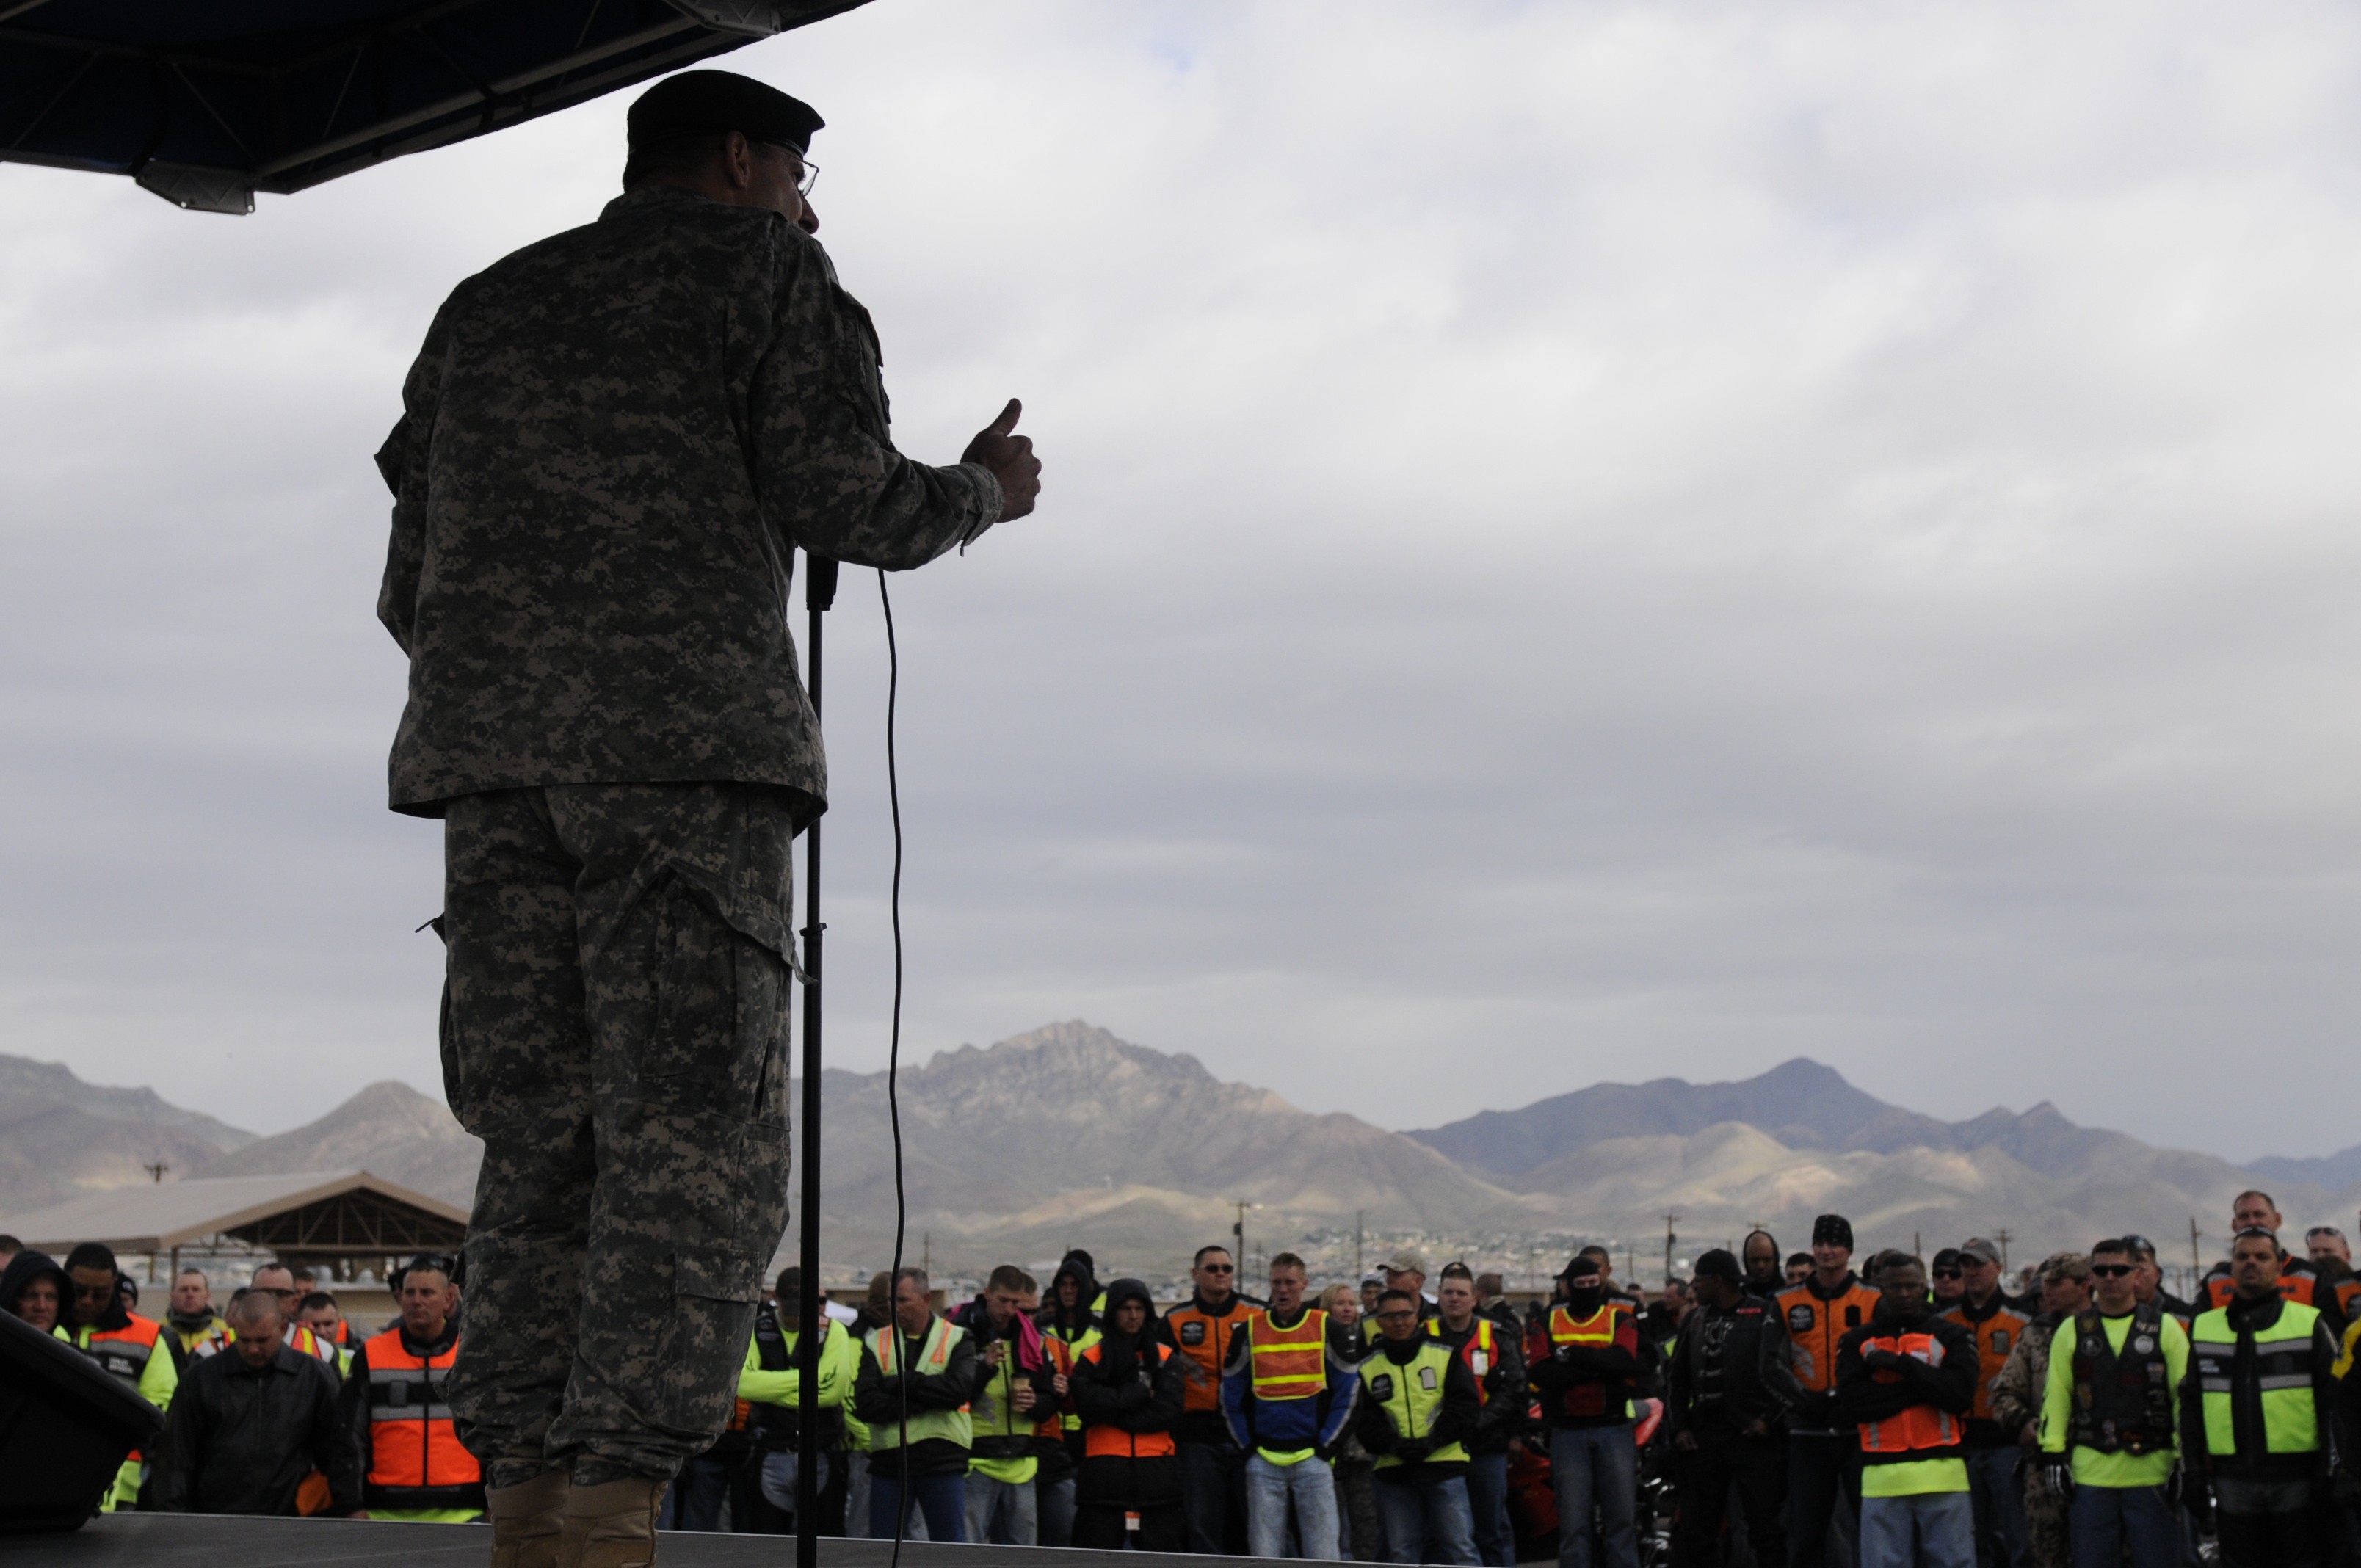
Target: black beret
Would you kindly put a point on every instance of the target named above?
(703, 102)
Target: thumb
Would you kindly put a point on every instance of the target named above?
(1008, 420)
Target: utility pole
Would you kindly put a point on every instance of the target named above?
(155, 1174)
(2001, 1236)
(1360, 1228)
(1669, 1239)
(2196, 1263)
(1238, 1235)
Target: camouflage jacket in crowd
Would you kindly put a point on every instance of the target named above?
(611, 443)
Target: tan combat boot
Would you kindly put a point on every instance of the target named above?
(526, 1520)
(612, 1525)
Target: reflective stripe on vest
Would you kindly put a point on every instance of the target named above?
(1921, 1427)
(1596, 1330)
(1413, 1396)
(934, 1361)
(2282, 1376)
(123, 1352)
(1288, 1364)
(1480, 1352)
(1075, 1344)
(413, 1447)
(1062, 1358)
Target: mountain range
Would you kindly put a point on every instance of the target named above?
(60, 1137)
(1066, 1135)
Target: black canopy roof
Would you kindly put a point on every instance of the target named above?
(205, 102)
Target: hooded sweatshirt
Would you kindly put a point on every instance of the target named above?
(26, 1267)
(1072, 1324)
(1133, 1385)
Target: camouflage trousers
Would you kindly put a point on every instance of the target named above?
(614, 1030)
(2046, 1537)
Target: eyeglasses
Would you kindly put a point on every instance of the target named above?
(1219, 1268)
(1947, 1274)
(2111, 1270)
(806, 171)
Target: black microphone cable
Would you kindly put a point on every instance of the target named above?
(894, 1070)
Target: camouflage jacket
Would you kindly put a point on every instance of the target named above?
(610, 446)
(2016, 1388)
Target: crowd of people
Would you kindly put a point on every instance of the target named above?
(272, 1404)
(1776, 1410)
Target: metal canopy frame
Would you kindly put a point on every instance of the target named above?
(206, 104)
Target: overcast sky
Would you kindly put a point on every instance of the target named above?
(1581, 542)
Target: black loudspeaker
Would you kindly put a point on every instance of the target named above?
(65, 1426)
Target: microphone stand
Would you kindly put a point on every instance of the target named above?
(819, 593)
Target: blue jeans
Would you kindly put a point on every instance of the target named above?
(1929, 1530)
(694, 1498)
(2101, 1520)
(1002, 1512)
(941, 1499)
(1488, 1499)
(1426, 1519)
(1054, 1502)
(777, 1478)
(1311, 1487)
(1593, 1467)
(1213, 1478)
(1999, 1507)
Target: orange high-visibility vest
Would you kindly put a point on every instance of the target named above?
(1596, 1330)
(1994, 1337)
(1061, 1357)
(1814, 1327)
(124, 1353)
(415, 1460)
(1204, 1339)
(1919, 1428)
(1104, 1440)
(2300, 1289)
(1288, 1364)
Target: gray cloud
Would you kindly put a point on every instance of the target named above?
(1584, 543)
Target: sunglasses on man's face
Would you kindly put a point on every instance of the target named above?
(2111, 1270)
(1219, 1268)
(1947, 1274)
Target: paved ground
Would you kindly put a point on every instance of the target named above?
(188, 1540)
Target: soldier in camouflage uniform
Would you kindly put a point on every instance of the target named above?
(2016, 1400)
(610, 446)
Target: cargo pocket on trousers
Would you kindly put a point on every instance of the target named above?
(715, 1291)
(719, 1041)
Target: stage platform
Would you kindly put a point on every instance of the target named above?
(199, 1541)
